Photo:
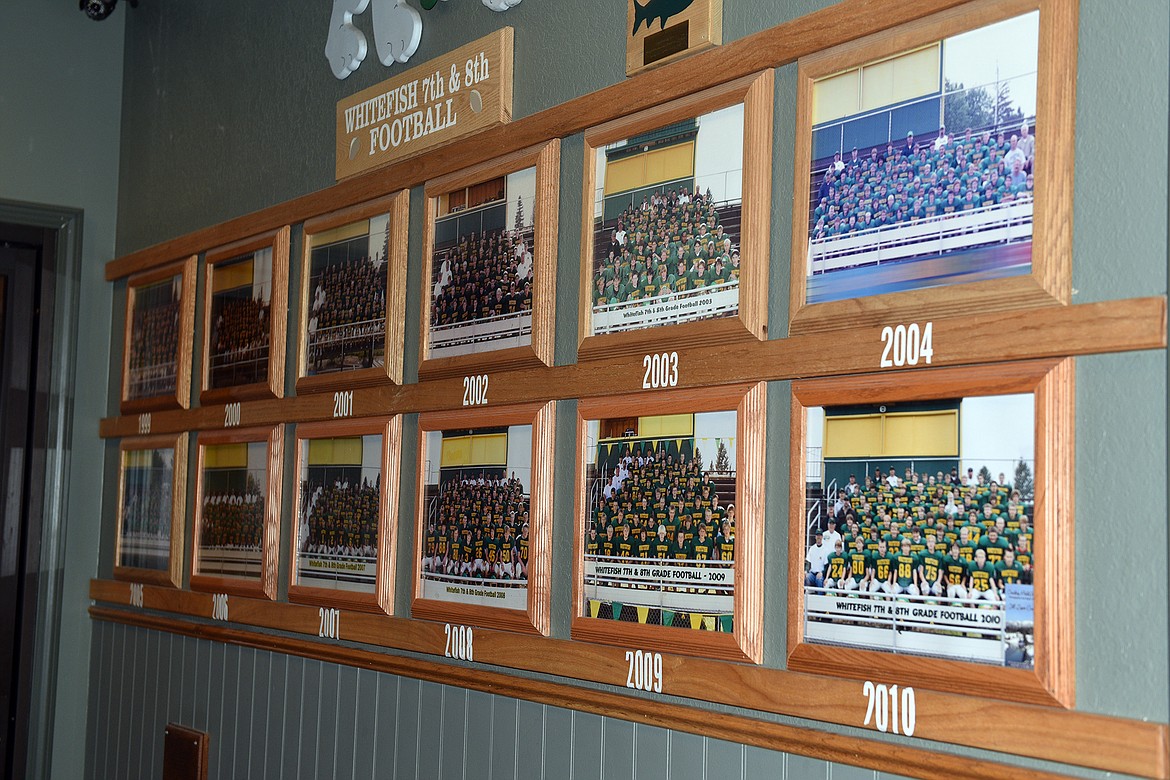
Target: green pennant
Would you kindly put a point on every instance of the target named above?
(617, 610)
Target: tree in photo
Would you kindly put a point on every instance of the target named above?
(722, 462)
(519, 214)
(985, 475)
(1022, 481)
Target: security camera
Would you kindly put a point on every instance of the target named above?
(100, 9)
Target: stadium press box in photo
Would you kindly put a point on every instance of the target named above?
(352, 295)
(920, 527)
(237, 511)
(667, 549)
(347, 488)
(244, 319)
(160, 318)
(490, 249)
(152, 496)
(924, 168)
(483, 525)
(675, 217)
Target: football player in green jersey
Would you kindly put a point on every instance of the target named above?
(930, 570)
(660, 547)
(837, 567)
(981, 578)
(859, 571)
(1009, 571)
(883, 571)
(994, 546)
(905, 565)
(955, 573)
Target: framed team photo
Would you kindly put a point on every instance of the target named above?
(347, 494)
(931, 529)
(489, 264)
(934, 168)
(483, 532)
(353, 294)
(160, 318)
(675, 221)
(237, 511)
(152, 493)
(244, 313)
(670, 513)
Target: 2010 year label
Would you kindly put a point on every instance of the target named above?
(645, 672)
(888, 710)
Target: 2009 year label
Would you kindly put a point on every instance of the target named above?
(645, 670)
(907, 345)
(888, 710)
(459, 643)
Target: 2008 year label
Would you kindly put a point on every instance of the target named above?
(459, 643)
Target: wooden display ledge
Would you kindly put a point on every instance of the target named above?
(1063, 736)
(1053, 331)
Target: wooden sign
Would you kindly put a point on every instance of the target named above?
(462, 92)
(662, 31)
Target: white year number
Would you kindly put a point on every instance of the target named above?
(459, 643)
(661, 371)
(219, 607)
(888, 710)
(645, 670)
(231, 415)
(475, 390)
(330, 625)
(343, 404)
(136, 594)
(907, 344)
(143, 423)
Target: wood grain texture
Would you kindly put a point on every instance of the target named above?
(273, 384)
(374, 599)
(546, 159)
(1052, 682)
(1049, 282)
(745, 643)
(355, 151)
(265, 583)
(999, 338)
(771, 48)
(535, 618)
(397, 207)
(755, 92)
(704, 21)
(1063, 736)
(173, 575)
(181, 398)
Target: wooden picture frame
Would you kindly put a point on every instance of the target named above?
(148, 339)
(133, 556)
(464, 203)
(384, 458)
(259, 267)
(444, 594)
(737, 310)
(249, 539)
(1002, 245)
(1050, 679)
(706, 635)
(696, 27)
(356, 353)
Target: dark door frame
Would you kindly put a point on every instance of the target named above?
(54, 376)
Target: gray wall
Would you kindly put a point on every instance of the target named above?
(60, 114)
(228, 107)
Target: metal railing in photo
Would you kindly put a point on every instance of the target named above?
(483, 334)
(717, 300)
